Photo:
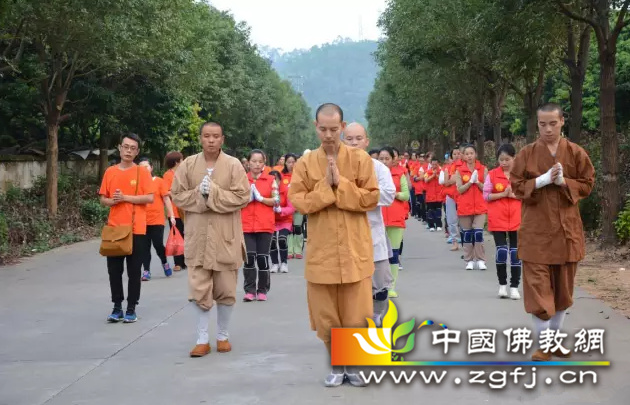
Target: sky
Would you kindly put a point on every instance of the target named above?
(301, 24)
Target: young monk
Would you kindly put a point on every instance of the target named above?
(126, 189)
(472, 208)
(356, 136)
(172, 160)
(259, 225)
(336, 186)
(504, 218)
(155, 222)
(433, 196)
(394, 215)
(550, 176)
(284, 225)
(296, 238)
(212, 188)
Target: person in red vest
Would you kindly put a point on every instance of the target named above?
(284, 225)
(450, 191)
(395, 214)
(504, 219)
(471, 207)
(434, 196)
(413, 169)
(419, 188)
(296, 238)
(259, 221)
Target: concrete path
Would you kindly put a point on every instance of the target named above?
(57, 349)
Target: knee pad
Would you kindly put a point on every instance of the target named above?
(502, 254)
(251, 260)
(514, 260)
(297, 230)
(478, 235)
(263, 262)
(380, 296)
(468, 235)
(394, 258)
(282, 242)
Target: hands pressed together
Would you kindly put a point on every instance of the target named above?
(555, 175)
(206, 184)
(332, 172)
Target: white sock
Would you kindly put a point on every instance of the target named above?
(539, 326)
(203, 319)
(224, 313)
(557, 320)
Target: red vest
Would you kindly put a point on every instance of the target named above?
(433, 187)
(471, 202)
(420, 185)
(256, 216)
(395, 214)
(504, 214)
(284, 191)
(286, 178)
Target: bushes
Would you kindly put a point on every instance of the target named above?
(80, 217)
(622, 224)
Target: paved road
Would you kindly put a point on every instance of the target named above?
(56, 348)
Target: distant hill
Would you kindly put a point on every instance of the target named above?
(342, 72)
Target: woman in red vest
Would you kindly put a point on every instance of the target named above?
(504, 219)
(471, 207)
(296, 238)
(284, 225)
(434, 196)
(258, 226)
(394, 215)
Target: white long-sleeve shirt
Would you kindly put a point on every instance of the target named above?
(375, 217)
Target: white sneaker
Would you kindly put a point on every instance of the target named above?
(335, 378)
(274, 268)
(284, 268)
(482, 265)
(503, 293)
(431, 230)
(470, 265)
(400, 266)
(439, 229)
(514, 294)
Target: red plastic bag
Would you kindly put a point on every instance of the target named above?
(174, 243)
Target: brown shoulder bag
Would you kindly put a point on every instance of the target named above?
(118, 240)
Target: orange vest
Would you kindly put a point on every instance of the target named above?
(504, 214)
(471, 202)
(256, 216)
(451, 190)
(395, 214)
(284, 191)
(420, 186)
(286, 178)
(433, 187)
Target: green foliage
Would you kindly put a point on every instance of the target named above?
(93, 212)
(622, 224)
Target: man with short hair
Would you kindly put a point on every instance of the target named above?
(212, 188)
(336, 186)
(550, 176)
(126, 189)
(356, 136)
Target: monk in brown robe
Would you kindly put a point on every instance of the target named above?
(212, 187)
(336, 186)
(550, 176)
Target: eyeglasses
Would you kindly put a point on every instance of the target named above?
(129, 147)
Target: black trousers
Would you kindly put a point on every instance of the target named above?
(421, 206)
(505, 253)
(413, 206)
(179, 260)
(258, 246)
(279, 244)
(116, 268)
(155, 237)
(434, 214)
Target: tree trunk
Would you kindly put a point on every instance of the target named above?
(480, 135)
(52, 158)
(577, 107)
(496, 120)
(532, 124)
(611, 200)
(467, 132)
(103, 158)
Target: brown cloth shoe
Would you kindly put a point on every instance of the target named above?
(558, 353)
(200, 350)
(177, 268)
(539, 355)
(223, 346)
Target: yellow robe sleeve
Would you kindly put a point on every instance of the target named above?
(234, 198)
(362, 195)
(307, 201)
(186, 196)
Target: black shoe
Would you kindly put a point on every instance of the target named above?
(116, 316)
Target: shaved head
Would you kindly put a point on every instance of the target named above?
(356, 136)
(329, 109)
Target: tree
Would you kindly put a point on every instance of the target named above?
(599, 14)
